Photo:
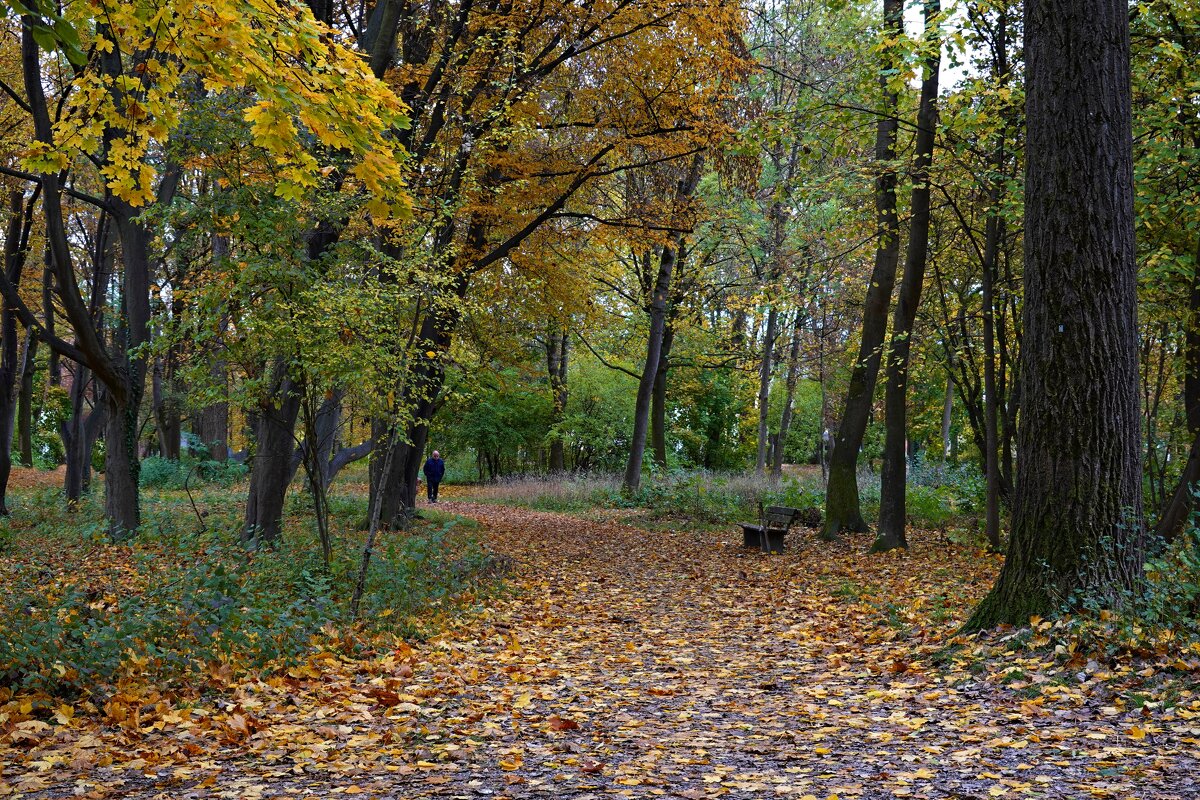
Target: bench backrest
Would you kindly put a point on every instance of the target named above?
(778, 516)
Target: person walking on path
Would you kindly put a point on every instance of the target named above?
(434, 469)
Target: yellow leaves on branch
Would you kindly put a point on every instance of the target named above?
(302, 87)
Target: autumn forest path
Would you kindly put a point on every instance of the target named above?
(624, 662)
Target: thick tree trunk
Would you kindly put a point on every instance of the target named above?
(121, 468)
(658, 402)
(424, 384)
(167, 417)
(764, 389)
(893, 514)
(843, 511)
(270, 468)
(1077, 510)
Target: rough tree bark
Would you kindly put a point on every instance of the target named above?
(1077, 509)
(270, 467)
(894, 478)
(843, 511)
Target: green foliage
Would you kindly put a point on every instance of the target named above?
(1162, 614)
(163, 473)
(79, 612)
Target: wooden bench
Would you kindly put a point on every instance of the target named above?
(767, 535)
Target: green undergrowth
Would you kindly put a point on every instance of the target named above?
(80, 613)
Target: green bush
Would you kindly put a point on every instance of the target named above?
(163, 473)
(79, 612)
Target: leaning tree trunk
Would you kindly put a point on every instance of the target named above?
(894, 478)
(1077, 510)
(1179, 507)
(843, 511)
(654, 343)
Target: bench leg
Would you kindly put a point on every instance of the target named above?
(772, 541)
(752, 537)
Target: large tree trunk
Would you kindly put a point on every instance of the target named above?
(1077, 511)
(843, 511)
(121, 468)
(894, 478)
(270, 468)
(167, 417)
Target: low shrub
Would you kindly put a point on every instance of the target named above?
(163, 473)
(79, 612)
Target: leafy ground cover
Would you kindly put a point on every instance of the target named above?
(671, 663)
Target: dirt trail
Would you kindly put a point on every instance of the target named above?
(673, 664)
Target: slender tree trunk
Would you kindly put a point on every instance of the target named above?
(843, 511)
(25, 400)
(1077, 525)
(764, 389)
(16, 251)
(948, 417)
(654, 343)
(789, 399)
(658, 402)
(993, 238)
(893, 514)
(75, 441)
(557, 347)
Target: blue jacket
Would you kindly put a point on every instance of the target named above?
(435, 468)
